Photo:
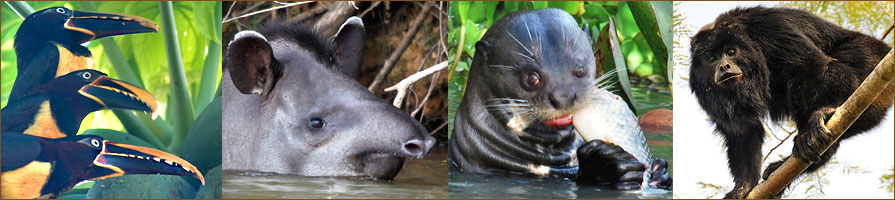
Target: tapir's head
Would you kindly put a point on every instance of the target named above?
(318, 120)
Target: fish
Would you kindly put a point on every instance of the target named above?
(605, 116)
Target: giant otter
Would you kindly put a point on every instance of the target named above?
(528, 76)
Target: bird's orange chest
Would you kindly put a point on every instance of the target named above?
(69, 62)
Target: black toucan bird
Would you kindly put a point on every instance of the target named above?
(42, 167)
(56, 109)
(48, 43)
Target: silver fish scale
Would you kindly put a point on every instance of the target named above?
(607, 117)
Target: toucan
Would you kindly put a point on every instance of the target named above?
(48, 43)
(35, 167)
(56, 109)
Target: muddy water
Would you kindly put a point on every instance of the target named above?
(425, 178)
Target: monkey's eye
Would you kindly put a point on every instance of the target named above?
(580, 72)
(712, 59)
(316, 124)
(731, 52)
(533, 79)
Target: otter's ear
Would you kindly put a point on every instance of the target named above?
(349, 43)
(251, 63)
(482, 48)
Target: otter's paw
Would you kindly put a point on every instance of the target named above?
(603, 163)
(660, 177)
(809, 143)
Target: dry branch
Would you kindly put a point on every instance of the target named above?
(338, 12)
(845, 115)
(404, 85)
(266, 10)
(393, 58)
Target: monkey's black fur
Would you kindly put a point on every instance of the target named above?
(786, 64)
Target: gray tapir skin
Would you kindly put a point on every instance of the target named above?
(289, 108)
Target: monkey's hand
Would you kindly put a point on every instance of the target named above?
(813, 135)
(660, 177)
(603, 163)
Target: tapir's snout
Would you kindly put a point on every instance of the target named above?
(403, 138)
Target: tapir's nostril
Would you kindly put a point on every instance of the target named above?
(415, 148)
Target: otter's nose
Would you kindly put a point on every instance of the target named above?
(560, 99)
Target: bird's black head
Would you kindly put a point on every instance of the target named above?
(90, 157)
(70, 28)
(76, 94)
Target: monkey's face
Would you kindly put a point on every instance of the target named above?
(724, 57)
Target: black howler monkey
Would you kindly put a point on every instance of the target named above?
(783, 63)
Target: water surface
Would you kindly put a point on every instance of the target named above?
(425, 178)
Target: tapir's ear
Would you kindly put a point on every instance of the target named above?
(251, 62)
(349, 42)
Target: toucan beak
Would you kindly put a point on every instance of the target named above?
(113, 93)
(97, 25)
(130, 159)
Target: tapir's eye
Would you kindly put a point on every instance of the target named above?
(316, 124)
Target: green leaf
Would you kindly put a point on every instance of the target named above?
(646, 20)
(142, 186)
(538, 4)
(212, 187)
(613, 59)
(570, 7)
(210, 78)
(205, 14)
(202, 146)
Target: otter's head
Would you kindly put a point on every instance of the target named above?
(538, 64)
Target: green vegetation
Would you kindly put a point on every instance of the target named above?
(180, 66)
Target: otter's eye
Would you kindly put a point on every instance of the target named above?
(60, 10)
(712, 59)
(731, 52)
(316, 124)
(580, 72)
(533, 79)
(94, 142)
(87, 75)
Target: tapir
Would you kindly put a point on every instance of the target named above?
(291, 106)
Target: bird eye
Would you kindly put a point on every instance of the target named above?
(316, 124)
(731, 52)
(87, 75)
(60, 10)
(94, 142)
(580, 72)
(533, 79)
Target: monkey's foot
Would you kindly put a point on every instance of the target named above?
(809, 143)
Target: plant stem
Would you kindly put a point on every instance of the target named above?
(21, 8)
(209, 81)
(180, 95)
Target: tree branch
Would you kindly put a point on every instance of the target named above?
(845, 115)
(404, 85)
(393, 58)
